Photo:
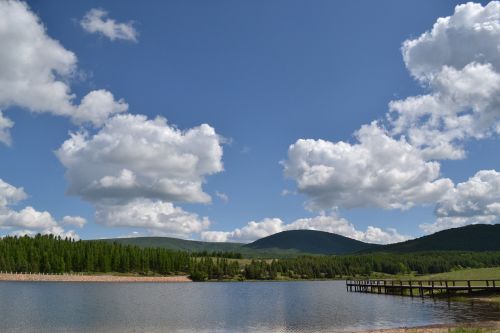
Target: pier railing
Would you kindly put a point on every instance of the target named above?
(422, 288)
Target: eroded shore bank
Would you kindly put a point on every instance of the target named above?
(91, 278)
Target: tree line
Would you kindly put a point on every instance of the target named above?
(217, 254)
(328, 267)
(49, 254)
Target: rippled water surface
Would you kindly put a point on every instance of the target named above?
(217, 307)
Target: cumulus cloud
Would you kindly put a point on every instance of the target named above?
(396, 166)
(5, 125)
(329, 223)
(471, 34)
(463, 104)
(35, 70)
(96, 107)
(30, 220)
(250, 232)
(96, 21)
(134, 168)
(459, 61)
(56, 231)
(10, 195)
(377, 171)
(475, 201)
(135, 157)
(77, 221)
(158, 217)
(28, 217)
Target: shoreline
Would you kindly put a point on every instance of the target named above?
(487, 326)
(91, 278)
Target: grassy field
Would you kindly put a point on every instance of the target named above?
(492, 273)
(473, 330)
(466, 274)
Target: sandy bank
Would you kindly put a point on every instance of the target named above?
(488, 326)
(91, 278)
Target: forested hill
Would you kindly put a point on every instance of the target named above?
(310, 241)
(283, 244)
(49, 254)
(177, 244)
(293, 243)
(479, 237)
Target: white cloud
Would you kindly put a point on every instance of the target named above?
(31, 220)
(32, 63)
(97, 21)
(381, 236)
(159, 218)
(35, 70)
(134, 168)
(5, 125)
(56, 231)
(96, 107)
(463, 104)
(134, 157)
(73, 220)
(28, 217)
(340, 226)
(10, 195)
(286, 192)
(475, 201)
(222, 196)
(217, 236)
(459, 61)
(250, 232)
(329, 223)
(471, 34)
(378, 171)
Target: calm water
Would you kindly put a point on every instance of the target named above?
(217, 307)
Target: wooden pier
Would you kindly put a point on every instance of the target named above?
(422, 288)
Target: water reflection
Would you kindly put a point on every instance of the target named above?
(218, 307)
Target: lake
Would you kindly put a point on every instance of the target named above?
(317, 306)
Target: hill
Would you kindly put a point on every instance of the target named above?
(285, 244)
(177, 244)
(292, 243)
(310, 241)
(478, 237)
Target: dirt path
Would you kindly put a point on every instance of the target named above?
(91, 278)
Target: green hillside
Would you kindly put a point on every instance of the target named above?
(293, 243)
(284, 244)
(310, 241)
(479, 237)
(177, 244)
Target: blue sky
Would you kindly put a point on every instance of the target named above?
(262, 75)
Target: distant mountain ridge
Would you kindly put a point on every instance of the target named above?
(311, 241)
(479, 237)
(178, 244)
